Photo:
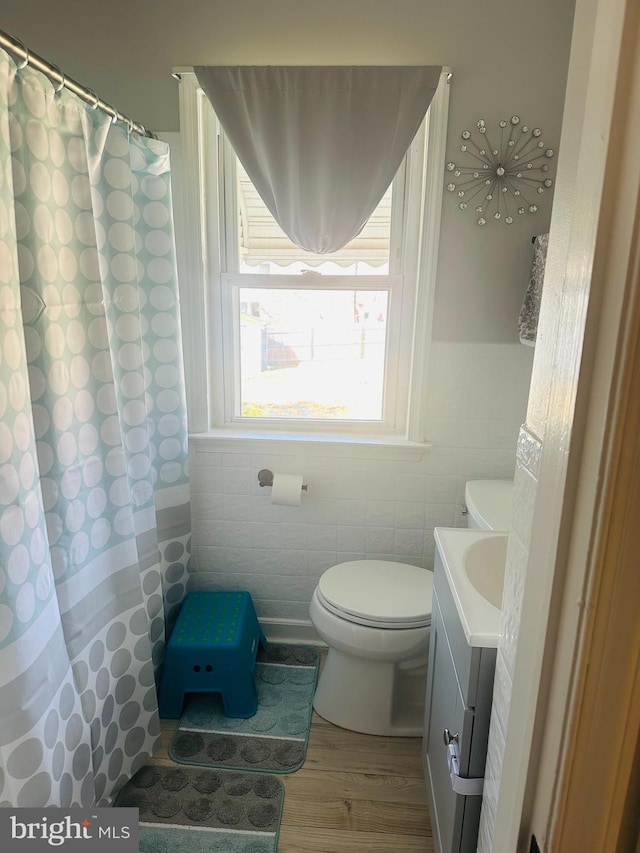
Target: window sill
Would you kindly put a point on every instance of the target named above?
(382, 447)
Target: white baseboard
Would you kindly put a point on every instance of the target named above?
(290, 631)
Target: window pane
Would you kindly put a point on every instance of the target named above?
(264, 248)
(312, 353)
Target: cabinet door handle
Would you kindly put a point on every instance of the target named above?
(449, 738)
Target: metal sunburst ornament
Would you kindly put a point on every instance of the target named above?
(502, 179)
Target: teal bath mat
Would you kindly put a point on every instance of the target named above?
(275, 739)
(191, 810)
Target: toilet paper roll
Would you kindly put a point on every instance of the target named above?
(286, 489)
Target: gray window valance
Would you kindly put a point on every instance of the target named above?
(320, 144)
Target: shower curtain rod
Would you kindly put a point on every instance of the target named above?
(16, 47)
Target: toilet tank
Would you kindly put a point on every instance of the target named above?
(489, 504)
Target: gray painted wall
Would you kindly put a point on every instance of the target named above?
(508, 56)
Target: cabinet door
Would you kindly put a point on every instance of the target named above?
(445, 710)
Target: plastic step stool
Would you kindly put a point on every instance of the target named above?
(213, 649)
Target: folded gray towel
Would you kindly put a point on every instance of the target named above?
(528, 319)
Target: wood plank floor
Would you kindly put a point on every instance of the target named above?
(354, 794)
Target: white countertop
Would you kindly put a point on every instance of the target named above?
(480, 619)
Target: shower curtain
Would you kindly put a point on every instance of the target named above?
(94, 493)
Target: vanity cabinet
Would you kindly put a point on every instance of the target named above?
(457, 710)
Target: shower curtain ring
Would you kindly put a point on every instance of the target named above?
(26, 51)
(94, 105)
(63, 80)
(110, 111)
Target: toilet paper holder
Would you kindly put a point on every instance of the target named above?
(265, 478)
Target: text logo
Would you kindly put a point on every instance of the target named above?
(105, 829)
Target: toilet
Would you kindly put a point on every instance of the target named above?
(375, 617)
(489, 504)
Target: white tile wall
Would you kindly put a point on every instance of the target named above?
(357, 508)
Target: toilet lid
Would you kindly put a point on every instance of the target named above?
(378, 593)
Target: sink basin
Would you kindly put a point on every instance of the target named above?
(484, 563)
(473, 562)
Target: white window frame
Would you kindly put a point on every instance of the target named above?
(205, 288)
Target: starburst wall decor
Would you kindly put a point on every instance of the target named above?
(503, 180)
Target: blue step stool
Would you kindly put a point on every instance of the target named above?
(213, 649)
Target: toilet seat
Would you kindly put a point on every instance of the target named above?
(378, 593)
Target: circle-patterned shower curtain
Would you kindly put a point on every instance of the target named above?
(94, 493)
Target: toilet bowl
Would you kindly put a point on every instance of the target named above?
(375, 617)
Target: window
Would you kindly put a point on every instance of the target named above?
(312, 353)
(307, 338)
(304, 342)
